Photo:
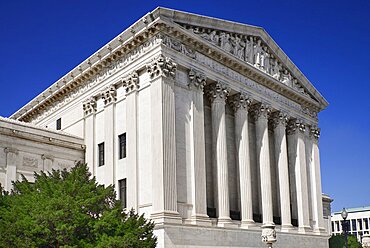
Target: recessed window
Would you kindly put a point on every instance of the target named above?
(59, 124)
(123, 192)
(101, 154)
(122, 145)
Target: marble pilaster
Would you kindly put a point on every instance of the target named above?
(217, 94)
(47, 162)
(109, 98)
(162, 73)
(131, 85)
(89, 108)
(11, 167)
(240, 104)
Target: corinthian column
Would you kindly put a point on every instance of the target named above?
(297, 159)
(279, 122)
(316, 190)
(162, 73)
(261, 113)
(217, 94)
(131, 85)
(199, 216)
(240, 104)
(89, 108)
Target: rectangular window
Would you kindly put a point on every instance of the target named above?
(360, 224)
(332, 227)
(366, 224)
(354, 227)
(122, 145)
(338, 228)
(101, 154)
(59, 124)
(123, 192)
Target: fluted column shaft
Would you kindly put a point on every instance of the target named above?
(279, 121)
(199, 216)
(297, 157)
(162, 72)
(240, 105)
(217, 95)
(263, 160)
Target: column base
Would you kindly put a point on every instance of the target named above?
(246, 224)
(287, 228)
(225, 222)
(319, 230)
(166, 217)
(199, 220)
(304, 229)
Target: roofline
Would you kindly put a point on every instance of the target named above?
(129, 34)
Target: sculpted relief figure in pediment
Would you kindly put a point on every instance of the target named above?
(252, 50)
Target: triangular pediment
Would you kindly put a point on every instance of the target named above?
(248, 43)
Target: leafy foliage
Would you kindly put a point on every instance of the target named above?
(69, 209)
(338, 241)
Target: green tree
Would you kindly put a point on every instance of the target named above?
(337, 241)
(69, 209)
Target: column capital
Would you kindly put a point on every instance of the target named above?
(260, 110)
(162, 66)
(295, 125)
(109, 95)
(131, 82)
(278, 119)
(218, 92)
(315, 132)
(240, 101)
(46, 156)
(197, 80)
(89, 106)
(11, 150)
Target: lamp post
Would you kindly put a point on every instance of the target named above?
(344, 215)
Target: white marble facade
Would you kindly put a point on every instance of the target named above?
(26, 148)
(222, 130)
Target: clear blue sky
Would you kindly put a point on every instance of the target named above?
(329, 41)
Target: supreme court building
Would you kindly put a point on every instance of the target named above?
(204, 125)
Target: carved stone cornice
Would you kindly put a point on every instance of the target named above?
(278, 118)
(217, 92)
(295, 126)
(197, 80)
(103, 63)
(162, 66)
(11, 150)
(260, 110)
(315, 132)
(109, 95)
(89, 106)
(240, 101)
(131, 82)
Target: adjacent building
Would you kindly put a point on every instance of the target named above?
(203, 125)
(359, 222)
